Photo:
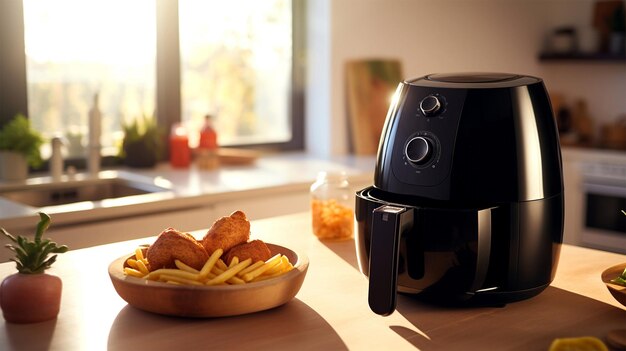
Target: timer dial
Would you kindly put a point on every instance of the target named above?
(430, 105)
(419, 150)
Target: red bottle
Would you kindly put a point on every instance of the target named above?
(208, 136)
(207, 157)
(180, 154)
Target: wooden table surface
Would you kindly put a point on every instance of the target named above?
(329, 313)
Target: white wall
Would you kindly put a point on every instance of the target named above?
(431, 36)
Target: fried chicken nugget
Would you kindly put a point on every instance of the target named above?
(227, 232)
(172, 245)
(255, 249)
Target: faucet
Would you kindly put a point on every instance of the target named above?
(93, 146)
(56, 160)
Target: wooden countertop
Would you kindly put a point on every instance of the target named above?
(330, 312)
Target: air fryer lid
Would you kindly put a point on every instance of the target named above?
(472, 78)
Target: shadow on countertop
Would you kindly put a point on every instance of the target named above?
(293, 326)
(525, 325)
(38, 336)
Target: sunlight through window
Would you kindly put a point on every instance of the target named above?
(236, 65)
(75, 49)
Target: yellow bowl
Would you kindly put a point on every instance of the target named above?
(618, 291)
(210, 301)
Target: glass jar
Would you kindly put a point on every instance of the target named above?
(180, 154)
(332, 206)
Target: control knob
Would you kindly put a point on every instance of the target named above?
(419, 150)
(430, 105)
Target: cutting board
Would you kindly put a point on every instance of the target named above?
(233, 156)
(370, 87)
(226, 157)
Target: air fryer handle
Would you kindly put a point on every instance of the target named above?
(388, 224)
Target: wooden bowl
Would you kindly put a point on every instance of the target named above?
(210, 301)
(618, 291)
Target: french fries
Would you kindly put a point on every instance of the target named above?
(214, 272)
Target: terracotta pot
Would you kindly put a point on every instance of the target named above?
(30, 298)
(13, 166)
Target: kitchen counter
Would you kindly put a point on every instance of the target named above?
(274, 184)
(329, 313)
(192, 186)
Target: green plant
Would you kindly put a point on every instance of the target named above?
(144, 131)
(18, 136)
(621, 279)
(31, 257)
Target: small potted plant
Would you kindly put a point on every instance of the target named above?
(19, 148)
(31, 295)
(143, 143)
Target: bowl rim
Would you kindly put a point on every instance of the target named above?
(609, 274)
(300, 266)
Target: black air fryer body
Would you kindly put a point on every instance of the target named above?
(468, 195)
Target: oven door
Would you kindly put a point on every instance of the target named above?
(604, 223)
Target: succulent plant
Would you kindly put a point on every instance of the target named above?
(31, 257)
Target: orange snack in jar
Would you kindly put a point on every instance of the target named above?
(332, 220)
(331, 206)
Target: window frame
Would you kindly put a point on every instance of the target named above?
(168, 100)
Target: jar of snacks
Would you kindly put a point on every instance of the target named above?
(332, 206)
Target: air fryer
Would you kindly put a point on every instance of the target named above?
(467, 199)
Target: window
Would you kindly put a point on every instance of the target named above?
(236, 63)
(75, 49)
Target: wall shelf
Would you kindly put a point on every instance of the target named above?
(581, 57)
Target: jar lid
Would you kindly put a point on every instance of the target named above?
(332, 175)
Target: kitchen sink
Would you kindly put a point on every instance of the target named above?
(108, 185)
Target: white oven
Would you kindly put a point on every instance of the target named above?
(603, 200)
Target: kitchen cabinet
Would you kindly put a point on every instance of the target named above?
(109, 231)
(127, 228)
(265, 207)
(189, 219)
(257, 204)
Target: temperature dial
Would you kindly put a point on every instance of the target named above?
(419, 150)
(430, 105)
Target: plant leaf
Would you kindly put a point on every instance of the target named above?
(42, 226)
(61, 249)
(8, 235)
(49, 262)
